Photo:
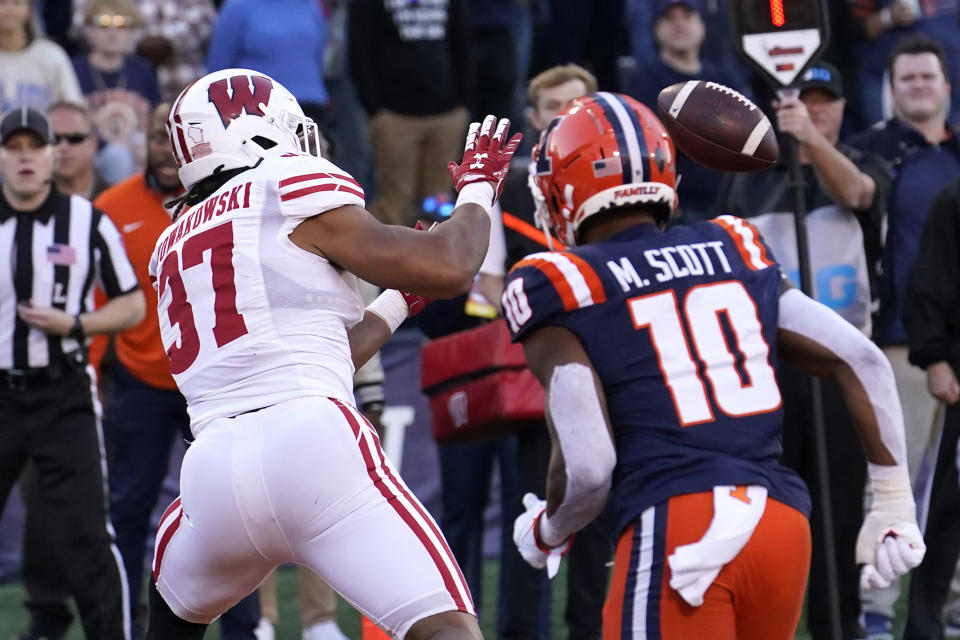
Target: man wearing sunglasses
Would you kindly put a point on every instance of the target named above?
(74, 171)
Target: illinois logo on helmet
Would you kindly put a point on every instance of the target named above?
(232, 118)
(604, 151)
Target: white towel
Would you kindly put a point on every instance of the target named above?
(695, 566)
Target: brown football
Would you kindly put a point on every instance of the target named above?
(718, 127)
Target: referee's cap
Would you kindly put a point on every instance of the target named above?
(25, 119)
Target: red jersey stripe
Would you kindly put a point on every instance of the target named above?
(376, 463)
(162, 544)
(173, 505)
(399, 485)
(286, 182)
(329, 186)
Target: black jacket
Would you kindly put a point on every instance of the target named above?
(932, 302)
(410, 58)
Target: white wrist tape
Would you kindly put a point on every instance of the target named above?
(588, 453)
(890, 483)
(390, 307)
(478, 193)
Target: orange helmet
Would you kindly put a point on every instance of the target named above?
(603, 151)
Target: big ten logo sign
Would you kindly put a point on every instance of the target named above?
(835, 284)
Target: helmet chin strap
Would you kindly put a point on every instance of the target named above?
(540, 215)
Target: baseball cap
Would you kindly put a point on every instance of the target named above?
(25, 119)
(822, 75)
(663, 5)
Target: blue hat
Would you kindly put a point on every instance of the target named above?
(662, 6)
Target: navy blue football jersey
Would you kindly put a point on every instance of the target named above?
(681, 327)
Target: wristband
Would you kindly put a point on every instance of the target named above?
(478, 193)
(76, 331)
(548, 533)
(390, 307)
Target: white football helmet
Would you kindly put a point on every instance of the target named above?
(232, 118)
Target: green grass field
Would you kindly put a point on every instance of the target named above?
(13, 616)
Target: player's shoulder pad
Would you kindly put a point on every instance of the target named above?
(746, 239)
(300, 175)
(548, 283)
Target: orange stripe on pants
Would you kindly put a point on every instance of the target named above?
(757, 596)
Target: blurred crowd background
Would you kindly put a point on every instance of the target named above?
(393, 84)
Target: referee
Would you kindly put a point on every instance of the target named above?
(56, 247)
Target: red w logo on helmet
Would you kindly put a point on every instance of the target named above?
(231, 106)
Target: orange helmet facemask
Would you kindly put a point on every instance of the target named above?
(603, 151)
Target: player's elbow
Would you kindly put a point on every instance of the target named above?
(863, 356)
(592, 478)
(453, 280)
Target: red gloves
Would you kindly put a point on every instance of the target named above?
(485, 158)
(415, 303)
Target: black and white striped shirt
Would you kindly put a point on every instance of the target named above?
(55, 254)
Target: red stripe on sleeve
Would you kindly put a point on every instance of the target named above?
(286, 182)
(329, 186)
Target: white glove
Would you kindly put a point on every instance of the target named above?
(890, 542)
(525, 537)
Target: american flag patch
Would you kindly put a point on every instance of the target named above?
(61, 254)
(607, 167)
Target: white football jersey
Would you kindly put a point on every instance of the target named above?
(249, 319)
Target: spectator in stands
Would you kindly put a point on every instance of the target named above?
(925, 155)
(718, 48)
(76, 148)
(933, 328)
(679, 33)
(173, 38)
(120, 88)
(144, 413)
(846, 197)
(284, 39)
(411, 65)
(494, 48)
(34, 72)
(883, 24)
(589, 33)
(548, 92)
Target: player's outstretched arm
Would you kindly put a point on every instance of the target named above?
(583, 454)
(816, 340)
(439, 264)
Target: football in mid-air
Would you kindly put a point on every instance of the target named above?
(718, 127)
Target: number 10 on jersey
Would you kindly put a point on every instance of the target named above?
(702, 307)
